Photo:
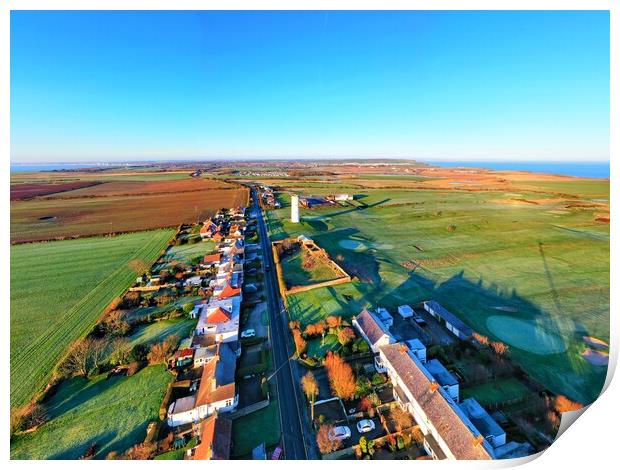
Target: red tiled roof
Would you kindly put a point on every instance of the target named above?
(187, 352)
(215, 436)
(214, 258)
(229, 291)
(219, 315)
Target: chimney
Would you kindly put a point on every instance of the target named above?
(403, 348)
(478, 440)
(433, 386)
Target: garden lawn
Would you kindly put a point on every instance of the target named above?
(158, 331)
(497, 391)
(112, 413)
(256, 428)
(295, 274)
(58, 291)
(185, 253)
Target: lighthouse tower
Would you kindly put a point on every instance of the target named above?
(295, 208)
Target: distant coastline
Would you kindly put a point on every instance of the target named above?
(578, 169)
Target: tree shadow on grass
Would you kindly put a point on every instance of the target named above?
(80, 448)
(552, 353)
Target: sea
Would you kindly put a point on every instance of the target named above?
(580, 169)
(36, 167)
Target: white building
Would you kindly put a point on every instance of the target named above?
(454, 324)
(295, 208)
(444, 378)
(372, 330)
(417, 347)
(405, 311)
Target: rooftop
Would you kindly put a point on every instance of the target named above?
(372, 326)
(441, 374)
(449, 317)
(456, 430)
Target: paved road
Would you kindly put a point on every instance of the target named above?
(290, 411)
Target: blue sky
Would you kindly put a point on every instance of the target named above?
(426, 85)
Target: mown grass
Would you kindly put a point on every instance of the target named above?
(497, 391)
(476, 254)
(160, 330)
(59, 290)
(256, 428)
(111, 413)
(296, 274)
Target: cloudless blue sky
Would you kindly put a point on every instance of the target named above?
(426, 85)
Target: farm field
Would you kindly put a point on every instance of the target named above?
(38, 219)
(58, 290)
(531, 253)
(111, 413)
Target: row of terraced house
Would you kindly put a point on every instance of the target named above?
(452, 428)
(209, 355)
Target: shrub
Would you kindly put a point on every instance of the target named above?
(345, 336)
(322, 439)
(378, 379)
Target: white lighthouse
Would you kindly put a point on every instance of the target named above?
(295, 208)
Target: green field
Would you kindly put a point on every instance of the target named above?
(112, 413)
(58, 291)
(481, 256)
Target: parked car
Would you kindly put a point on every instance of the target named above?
(249, 333)
(365, 425)
(339, 433)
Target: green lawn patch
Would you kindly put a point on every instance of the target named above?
(58, 291)
(497, 391)
(112, 413)
(256, 428)
(159, 330)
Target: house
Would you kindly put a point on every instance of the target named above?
(343, 197)
(182, 411)
(217, 237)
(454, 324)
(444, 378)
(220, 318)
(202, 355)
(417, 347)
(385, 317)
(405, 311)
(212, 260)
(372, 330)
(216, 391)
(448, 432)
(228, 291)
(194, 281)
(182, 357)
(215, 439)
(217, 386)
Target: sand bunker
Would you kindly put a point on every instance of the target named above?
(503, 308)
(525, 335)
(353, 245)
(595, 358)
(596, 343)
(383, 246)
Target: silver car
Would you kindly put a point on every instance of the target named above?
(339, 433)
(365, 425)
